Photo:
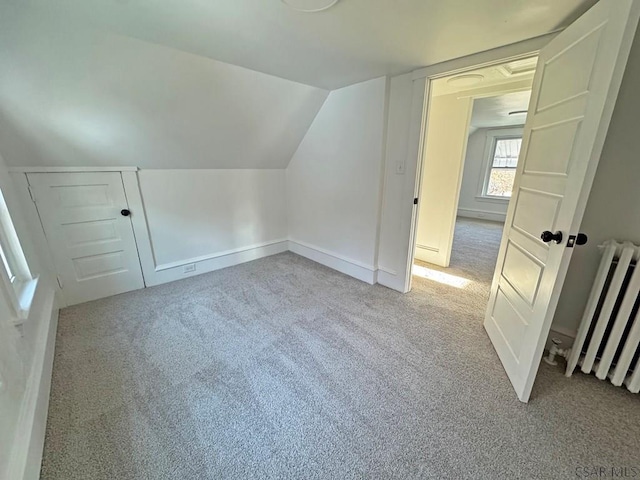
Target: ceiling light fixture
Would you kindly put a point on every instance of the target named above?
(310, 6)
(517, 112)
(465, 80)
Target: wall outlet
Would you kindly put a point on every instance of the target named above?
(190, 268)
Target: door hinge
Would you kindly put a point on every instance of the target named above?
(59, 282)
(32, 193)
(415, 201)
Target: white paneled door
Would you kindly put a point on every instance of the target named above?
(87, 223)
(574, 91)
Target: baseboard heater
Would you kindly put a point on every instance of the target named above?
(609, 334)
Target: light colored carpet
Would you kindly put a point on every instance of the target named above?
(282, 368)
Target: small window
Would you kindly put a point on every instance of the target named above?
(15, 277)
(502, 167)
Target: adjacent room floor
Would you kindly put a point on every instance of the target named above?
(282, 368)
(473, 260)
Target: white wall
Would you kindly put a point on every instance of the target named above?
(446, 143)
(92, 99)
(475, 165)
(197, 215)
(334, 180)
(25, 362)
(613, 208)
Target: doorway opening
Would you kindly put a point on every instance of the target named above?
(472, 140)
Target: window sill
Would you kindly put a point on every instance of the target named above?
(25, 292)
(483, 198)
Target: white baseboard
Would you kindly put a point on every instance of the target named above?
(26, 456)
(482, 214)
(175, 271)
(391, 279)
(353, 268)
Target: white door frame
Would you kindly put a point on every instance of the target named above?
(406, 116)
(429, 77)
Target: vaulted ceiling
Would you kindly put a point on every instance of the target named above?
(217, 83)
(353, 41)
(101, 99)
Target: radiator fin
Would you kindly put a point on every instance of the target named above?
(608, 339)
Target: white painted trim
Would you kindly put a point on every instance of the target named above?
(491, 138)
(422, 79)
(216, 262)
(383, 167)
(357, 263)
(420, 98)
(492, 90)
(390, 279)
(132, 192)
(390, 271)
(353, 268)
(71, 169)
(489, 199)
(503, 54)
(482, 214)
(36, 233)
(203, 258)
(26, 455)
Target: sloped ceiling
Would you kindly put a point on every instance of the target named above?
(99, 99)
(354, 41)
(142, 82)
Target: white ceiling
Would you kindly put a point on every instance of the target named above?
(495, 77)
(496, 90)
(494, 111)
(354, 41)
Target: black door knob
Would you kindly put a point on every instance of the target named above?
(124, 212)
(547, 236)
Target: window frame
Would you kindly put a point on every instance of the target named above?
(20, 288)
(491, 141)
